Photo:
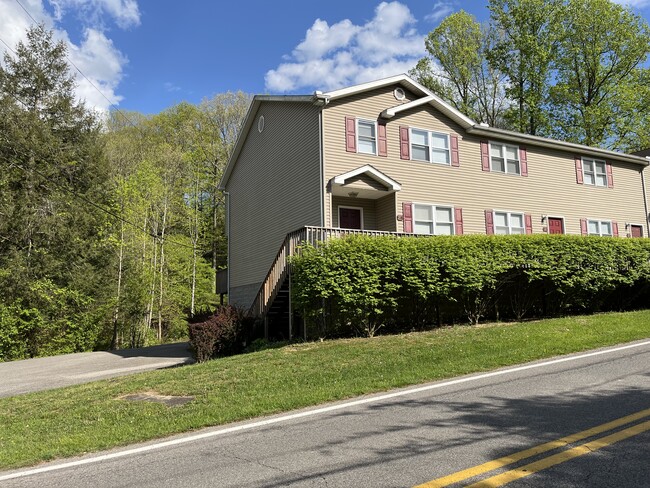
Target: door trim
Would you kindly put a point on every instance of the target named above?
(559, 217)
(360, 209)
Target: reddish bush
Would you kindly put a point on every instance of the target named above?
(222, 334)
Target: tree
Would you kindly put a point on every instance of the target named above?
(524, 53)
(601, 94)
(457, 70)
(53, 174)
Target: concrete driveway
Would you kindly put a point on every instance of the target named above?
(37, 374)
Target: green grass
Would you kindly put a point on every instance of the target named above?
(91, 417)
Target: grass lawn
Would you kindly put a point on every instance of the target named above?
(91, 417)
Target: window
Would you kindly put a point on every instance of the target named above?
(429, 146)
(594, 171)
(366, 137)
(432, 219)
(504, 158)
(509, 223)
(599, 228)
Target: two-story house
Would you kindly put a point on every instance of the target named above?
(390, 156)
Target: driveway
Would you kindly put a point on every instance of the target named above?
(28, 375)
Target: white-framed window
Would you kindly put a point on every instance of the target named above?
(366, 136)
(504, 158)
(430, 146)
(509, 223)
(600, 228)
(433, 219)
(594, 172)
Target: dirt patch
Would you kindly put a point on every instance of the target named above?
(152, 396)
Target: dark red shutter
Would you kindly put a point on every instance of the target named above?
(615, 228)
(489, 222)
(458, 221)
(455, 160)
(382, 143)
(404, 144)
(583, 227)
(528, 222)
(407, 211)
(523, 161)
(610, 176)
(579, 176)
(485, 155)
(350, 134)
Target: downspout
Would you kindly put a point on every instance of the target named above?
(645, 199)
(321, 101)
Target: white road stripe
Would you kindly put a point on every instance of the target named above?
(311, 413)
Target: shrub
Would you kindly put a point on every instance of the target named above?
(359, 284)
(224, 333)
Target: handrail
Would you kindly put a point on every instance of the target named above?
(280, 267)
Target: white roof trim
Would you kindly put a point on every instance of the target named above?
(389, 113)
(372, 172)
(412, 85)
(506, 135)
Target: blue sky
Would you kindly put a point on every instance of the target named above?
(147, 55)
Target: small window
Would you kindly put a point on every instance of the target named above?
(509, 223)
(430, 146)
(366, 137)
(433, 219)
(505, 158)
(600, 228)
(594, 171)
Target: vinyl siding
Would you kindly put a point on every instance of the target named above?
(549, 189)
(386, 213)
(274, 188)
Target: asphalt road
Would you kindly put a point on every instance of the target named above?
(410, 437)
(17, 377)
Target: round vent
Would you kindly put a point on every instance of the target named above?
(399, 94)
(260, 124)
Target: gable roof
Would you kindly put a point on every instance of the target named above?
(426, 97)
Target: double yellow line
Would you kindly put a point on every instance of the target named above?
(547, 462)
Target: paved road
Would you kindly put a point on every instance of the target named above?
(29, 375)
(409, 437)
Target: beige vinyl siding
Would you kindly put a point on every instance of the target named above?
(274, 188)
(386, 213)
(550, 188)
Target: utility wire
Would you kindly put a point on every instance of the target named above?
(112, 105)
(97, 206)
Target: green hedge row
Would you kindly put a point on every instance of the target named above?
(360, 284)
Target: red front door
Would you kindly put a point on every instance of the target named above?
(636, 231)
(555, 226)
(350, 218)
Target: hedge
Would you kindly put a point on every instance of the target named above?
(358, 285)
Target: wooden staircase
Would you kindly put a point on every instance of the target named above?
(273, 301)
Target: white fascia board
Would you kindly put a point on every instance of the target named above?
(371, 85)
(491, 132)
(389, 113)
(374, 173)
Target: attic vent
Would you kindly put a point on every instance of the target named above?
(260, 124)
(399, 94)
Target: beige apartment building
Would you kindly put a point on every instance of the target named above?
(389, 156)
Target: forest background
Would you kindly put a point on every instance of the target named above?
(112, 227)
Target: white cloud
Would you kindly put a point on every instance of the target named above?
(96, 55)
(125, 12)
(440, 11)
(342, 54)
